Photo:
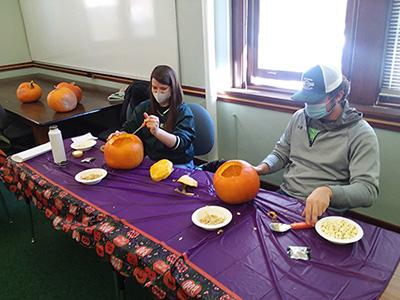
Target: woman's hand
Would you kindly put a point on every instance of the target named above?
(316, 204)
(116, 133)
(152, 123)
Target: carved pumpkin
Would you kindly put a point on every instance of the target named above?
(124, 151)
(161, 169)
(236, 182)
(74, 88)
(61, 100)
(28, 92)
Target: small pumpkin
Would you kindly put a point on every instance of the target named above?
(61, 100)
(236, 182)
(161, 170)
(124, 151)
(28, 92)
(73, 87)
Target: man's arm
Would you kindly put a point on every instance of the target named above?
(363, 187)
(364, 167)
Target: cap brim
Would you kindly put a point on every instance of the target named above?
(309, 97)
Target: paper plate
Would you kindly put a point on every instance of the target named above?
(207, 213)
(335, 229)
(91, 176)
(83, 145)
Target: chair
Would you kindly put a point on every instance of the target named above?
(135, 93)
(204, 140)
(14, 135)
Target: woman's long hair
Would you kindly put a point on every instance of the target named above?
(166, 75)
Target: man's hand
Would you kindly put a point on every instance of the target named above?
(262, 169)
(316, 204)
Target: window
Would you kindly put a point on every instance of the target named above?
(275, 40)
(310, 32)
(390, 88)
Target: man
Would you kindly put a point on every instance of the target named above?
(330, 154)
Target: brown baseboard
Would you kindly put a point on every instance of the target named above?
(187, 90)
(18, 66)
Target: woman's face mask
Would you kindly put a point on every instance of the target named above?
(161, 92)
(319, 111)
(162, 97)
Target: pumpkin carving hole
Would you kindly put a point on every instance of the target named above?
(232, 171)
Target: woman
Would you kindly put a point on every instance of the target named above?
(168, 123)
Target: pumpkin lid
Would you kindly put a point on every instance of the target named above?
(187, 180)
(161, 169)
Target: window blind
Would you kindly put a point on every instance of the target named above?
(390, 86)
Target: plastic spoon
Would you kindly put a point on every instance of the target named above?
(280, 227)
(141, 126)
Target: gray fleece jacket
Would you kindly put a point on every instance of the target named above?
(342, 154)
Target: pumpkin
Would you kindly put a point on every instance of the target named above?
(28, 92)
(161, 169)
(124, 151)
(236, 182)
(74, 88)
(61, 100)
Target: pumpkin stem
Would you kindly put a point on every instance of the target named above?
(73, 82)
(31, 84)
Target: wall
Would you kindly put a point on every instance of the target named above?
(14, 47)
(121, 37)
(190, 37)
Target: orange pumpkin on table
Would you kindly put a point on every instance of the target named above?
(62, 100)
(28, 92)
(124, 151)
(73, 87)
(236, 182)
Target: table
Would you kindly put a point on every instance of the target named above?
(39, 115)
(144, 230)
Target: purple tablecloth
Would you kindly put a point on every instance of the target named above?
(247, 258)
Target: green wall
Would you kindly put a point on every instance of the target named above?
(14, 47)
(190, 42)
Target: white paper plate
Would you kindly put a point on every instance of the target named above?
(215, 210)
(357, 237)
(80, 177)
(83, 145)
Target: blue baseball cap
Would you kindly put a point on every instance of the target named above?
(318, 82)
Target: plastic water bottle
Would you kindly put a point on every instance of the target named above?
(57, 145)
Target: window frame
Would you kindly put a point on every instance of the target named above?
(365, 33)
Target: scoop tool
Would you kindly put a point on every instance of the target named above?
(280, 227)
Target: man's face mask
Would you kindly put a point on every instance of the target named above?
(162, 97)
(319, 111)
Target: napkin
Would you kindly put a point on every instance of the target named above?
(118, 96)
(85, 137)
(31, 153)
